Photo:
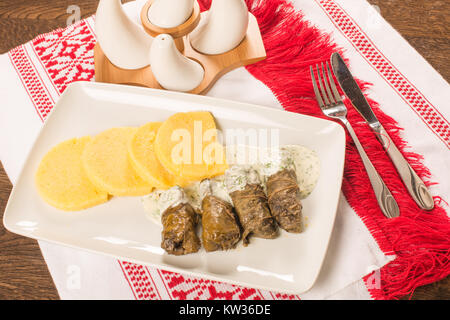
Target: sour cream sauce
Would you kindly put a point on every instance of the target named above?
(247, 165)
(160, 200)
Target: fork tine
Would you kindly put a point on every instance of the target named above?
(337, 96)
(322, 90)
(316, 89)
(327, 87)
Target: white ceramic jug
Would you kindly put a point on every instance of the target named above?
(124, 42)
(171, 69)
(223, 29)
(170, 13)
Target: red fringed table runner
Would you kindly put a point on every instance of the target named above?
(420, 240)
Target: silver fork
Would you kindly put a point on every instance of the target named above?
(332, 106)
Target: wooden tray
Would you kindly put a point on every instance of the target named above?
(251, 50)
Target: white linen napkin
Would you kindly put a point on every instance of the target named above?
(352, 253)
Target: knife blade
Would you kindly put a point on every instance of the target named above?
(413, 183)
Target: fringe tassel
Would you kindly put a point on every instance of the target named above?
(419, 239)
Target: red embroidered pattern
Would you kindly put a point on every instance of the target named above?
(140, 281)
(67, 54)
(426, 111)
(284, 296)
(183, 287)
(28, 75)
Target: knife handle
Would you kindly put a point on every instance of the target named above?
(413, 183)
(386, 201)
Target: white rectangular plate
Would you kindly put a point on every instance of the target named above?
(290, 263)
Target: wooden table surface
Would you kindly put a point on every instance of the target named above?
(24, 274)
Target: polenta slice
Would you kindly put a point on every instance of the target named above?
(144, 160)
(61, 180)
(186, 145)
(107, 164)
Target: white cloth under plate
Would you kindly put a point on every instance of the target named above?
(353, 253)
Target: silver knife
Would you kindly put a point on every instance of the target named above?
(413, 183)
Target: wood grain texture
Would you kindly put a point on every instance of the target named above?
(24, 275)
(425, 25)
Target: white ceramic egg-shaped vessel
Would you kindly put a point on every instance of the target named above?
(223, 29)
(125, 43)
(171, 69)
(170, 13)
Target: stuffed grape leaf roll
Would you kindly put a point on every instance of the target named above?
(283, 195)
(250, 202)
(221, 230)
(179, 222)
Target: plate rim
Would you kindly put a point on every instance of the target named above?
(168, 94)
